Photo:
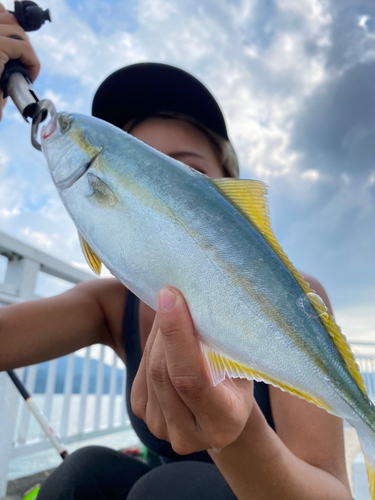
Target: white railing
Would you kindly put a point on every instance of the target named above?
(365, 357)
(86, 404)
(75, 412)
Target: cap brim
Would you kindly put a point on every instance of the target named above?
(147, 88)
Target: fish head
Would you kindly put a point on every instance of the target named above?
(75, 147)
(70, 144)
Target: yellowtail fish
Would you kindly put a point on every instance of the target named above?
(154, 221)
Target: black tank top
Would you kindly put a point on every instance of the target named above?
(133, 353)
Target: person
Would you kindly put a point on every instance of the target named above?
(229, 441)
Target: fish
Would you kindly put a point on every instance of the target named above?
(155, 222)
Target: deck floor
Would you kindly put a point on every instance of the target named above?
(17, 487)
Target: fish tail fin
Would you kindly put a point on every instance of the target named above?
(366, 436)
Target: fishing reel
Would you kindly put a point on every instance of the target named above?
(16, 82)
(29, 15)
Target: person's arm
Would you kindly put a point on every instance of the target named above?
(39, 330)
(260, 465)
(173, 393)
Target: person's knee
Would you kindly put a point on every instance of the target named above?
(78, 472)
(89, 458)
(185, 479)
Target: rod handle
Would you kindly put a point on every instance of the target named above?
(11, 67)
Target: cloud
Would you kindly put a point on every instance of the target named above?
(312, 175)
(39, 239)
(358, 321)
(75, 50)
(334, 130)
(47, 285)
(4, 161)
(10, 200)
(324, 207)
(6, 213)
(58, 100)
(151, 12)
(352, 34)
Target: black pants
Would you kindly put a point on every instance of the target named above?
(97, 473)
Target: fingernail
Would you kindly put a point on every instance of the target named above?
(167, 299)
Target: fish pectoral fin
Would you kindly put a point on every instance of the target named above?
(99, 192)
(91, 258)
(219, 366)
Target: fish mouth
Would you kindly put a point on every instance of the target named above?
(49, 129)
(71, 179)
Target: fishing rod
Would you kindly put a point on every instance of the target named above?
(46, 426)
(16, 82)
(54, 438)
(39, 415)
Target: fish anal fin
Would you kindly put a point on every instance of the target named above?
(371, 478)
(91, 258)
(248, 196)
(220, 366)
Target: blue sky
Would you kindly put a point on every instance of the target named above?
(295, 81)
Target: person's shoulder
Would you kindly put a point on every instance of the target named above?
(110, 293)
(109, 296)
(318, 288)
(101, 286)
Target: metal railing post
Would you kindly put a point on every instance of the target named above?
(84, 391)
(9, 401)
(22, 272)
(360, 488)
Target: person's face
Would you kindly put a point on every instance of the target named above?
(182, 141)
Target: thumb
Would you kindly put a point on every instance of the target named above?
(174, 317)
(182, 350)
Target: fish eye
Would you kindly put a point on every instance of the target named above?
(65, 122)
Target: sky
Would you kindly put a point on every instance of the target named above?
(295, 80)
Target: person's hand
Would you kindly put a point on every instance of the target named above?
(11, 48)
(173, 391)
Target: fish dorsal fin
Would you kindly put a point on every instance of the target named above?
(91, 258)
(248, 197)
(219, 366)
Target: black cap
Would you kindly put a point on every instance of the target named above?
(147, 88)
